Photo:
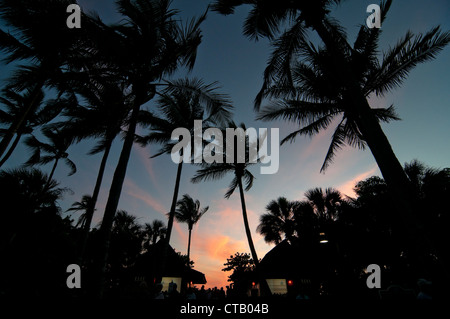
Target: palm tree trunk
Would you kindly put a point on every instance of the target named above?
(18, 123)
(11, 149)
(91, 208)
(247, 227)
(189, 248)
(113, 198)
(174, 201)
(51, 173)
(265, 290)
(171, 218)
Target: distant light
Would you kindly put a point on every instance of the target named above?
(290, 282)
(253, 284)
(323, 241)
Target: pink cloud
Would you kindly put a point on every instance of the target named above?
(144, 157)
(347, 187)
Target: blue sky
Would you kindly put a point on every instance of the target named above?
(226, 56)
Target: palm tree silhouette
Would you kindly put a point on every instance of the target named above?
(42, 113)
(327, 203)
(15, 104)
(55, 150)
(152, 232)
(38, 36)
(336, 80)
(181, 103)
(105, 113)
(241, 173)
(149, 44)
(83, 205)
(188, 211)
(279, 219)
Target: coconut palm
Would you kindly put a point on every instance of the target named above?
(42, 113)
(181, 103)
(327, 204)
(149, 44)
(152, 232)
(103, 116)
(278, 220)
(83, 205)
(55, 150)
(336, 80)
(189, 212)
(241, 173)
(38, 38)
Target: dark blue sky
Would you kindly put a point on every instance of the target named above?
(226, 56)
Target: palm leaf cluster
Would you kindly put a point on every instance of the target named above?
(308, 87)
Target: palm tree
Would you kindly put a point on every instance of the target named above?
(83, 205)
(37, 34)
(241, 174)
(55, 150)
(189, 212)
(126, 240)
(41, 114)
(152, 232)
(147, 45)
(327, 204)
(181, 103)
(105, 113)
(24, 194)
(279, 219)
(336, 80)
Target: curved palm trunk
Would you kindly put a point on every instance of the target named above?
(170, 222)
(189, 248)
(247, 227)
(113, 199)
(265, 290)
(11, 149)
(91, 209)
(51, 173)
(174, 202)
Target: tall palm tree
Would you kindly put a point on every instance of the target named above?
(149, 44)
(188, 211)
(278, 220)
(103, 116)
(55, 150)
(242, 175)
(37, 35)
(337, 79)
(180, 104)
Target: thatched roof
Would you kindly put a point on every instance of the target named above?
(149, 265)
(282, 261)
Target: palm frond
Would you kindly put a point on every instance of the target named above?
(401, 59)
(337, 141)
(213, 171)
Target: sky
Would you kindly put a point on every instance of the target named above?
(238, 63)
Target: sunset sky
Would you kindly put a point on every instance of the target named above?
(237, 63)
